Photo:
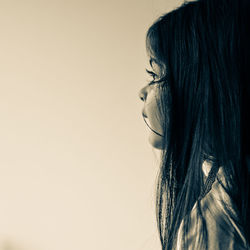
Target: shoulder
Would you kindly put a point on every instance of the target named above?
(217, 213)
(221, 220)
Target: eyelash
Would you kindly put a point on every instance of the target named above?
(160, 82)
(152, 74)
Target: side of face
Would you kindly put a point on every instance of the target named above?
(148, 95)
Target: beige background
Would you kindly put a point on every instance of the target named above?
(76, 169)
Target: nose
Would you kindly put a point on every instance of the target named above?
(143, 94)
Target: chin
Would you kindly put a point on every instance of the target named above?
(156, 141)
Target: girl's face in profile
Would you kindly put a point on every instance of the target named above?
(148, 95)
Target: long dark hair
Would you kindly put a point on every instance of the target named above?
(202, 48)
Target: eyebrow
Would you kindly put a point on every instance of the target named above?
(151, 62)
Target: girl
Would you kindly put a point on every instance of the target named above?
(197, 107)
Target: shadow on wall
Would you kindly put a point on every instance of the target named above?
(10, 245)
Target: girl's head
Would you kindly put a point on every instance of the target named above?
(197, 103)
(193, 54)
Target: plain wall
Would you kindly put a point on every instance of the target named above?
(76, 168)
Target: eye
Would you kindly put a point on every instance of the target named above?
(154, 76)
(151, 73)
(161, 81)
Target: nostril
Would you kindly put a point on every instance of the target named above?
(142, 95)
